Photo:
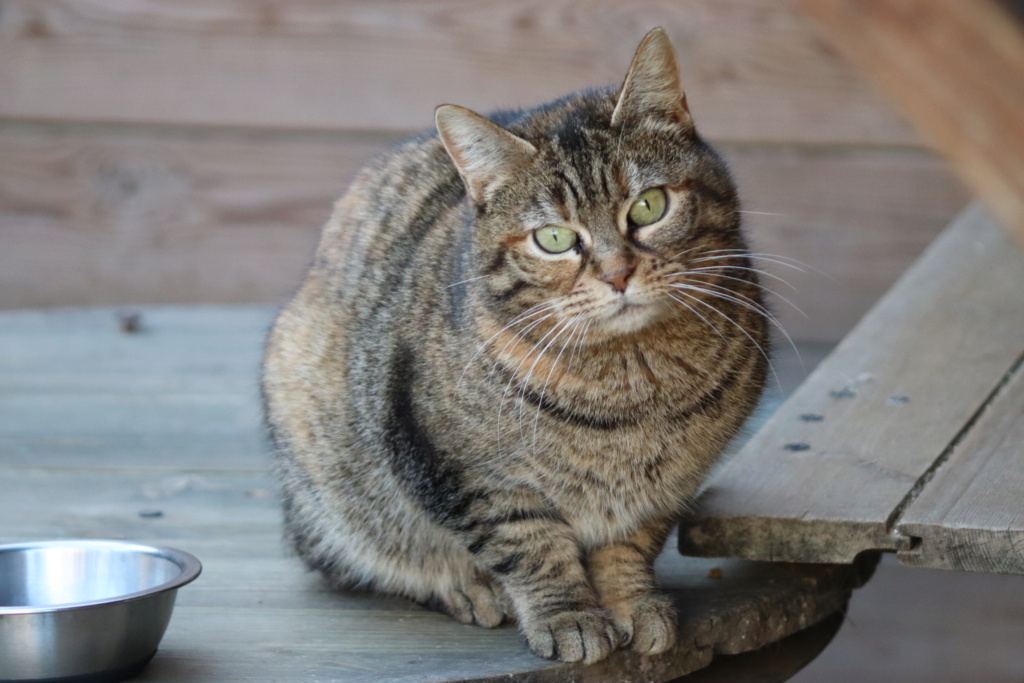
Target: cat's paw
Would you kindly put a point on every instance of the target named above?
(481, 603)
(647, 623)
(585, 636)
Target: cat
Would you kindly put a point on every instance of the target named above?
(521, 345)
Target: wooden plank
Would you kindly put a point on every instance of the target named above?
(182, 392)
(179, 394)
(40, 502)
(956, 70)
(970, 515)
(753, 72)
(250, 593)
(149, 216)
(255, 614)
(827, 476)
(139, 215)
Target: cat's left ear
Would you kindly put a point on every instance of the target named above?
(652, 86)
(483, 152)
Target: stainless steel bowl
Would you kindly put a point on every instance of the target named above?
(85, 610)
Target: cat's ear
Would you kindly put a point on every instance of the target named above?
(652, 86)
(483, 152)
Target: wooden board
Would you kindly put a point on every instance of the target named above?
(138, 215)
(956, 70)
(970, 515)
(178, 394)
(754, 72)
(183, 388)
(256, 614)
(832, 472)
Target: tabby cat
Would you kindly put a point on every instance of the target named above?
(522, 343)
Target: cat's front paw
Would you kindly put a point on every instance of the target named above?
(582, 636)
(647, 623)
(481, 603)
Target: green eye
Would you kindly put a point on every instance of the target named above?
(555, 239)
(648, 208)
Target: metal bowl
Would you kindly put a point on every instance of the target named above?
(84, 610)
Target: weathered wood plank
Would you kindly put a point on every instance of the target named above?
(970, 516)
(256, 614)
(106, 215)
(181, 393)
(754, 71)
(406, 643)
(827, 476)
(76, 391)
(240, 508)
(957, 72)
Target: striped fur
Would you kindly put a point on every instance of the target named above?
(498, 432)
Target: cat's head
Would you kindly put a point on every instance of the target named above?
(588, 209)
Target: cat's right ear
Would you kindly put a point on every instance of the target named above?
(483, 152)
(652, 86)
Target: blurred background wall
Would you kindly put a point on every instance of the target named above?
(188, 151)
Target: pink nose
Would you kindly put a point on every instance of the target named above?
(619, 277)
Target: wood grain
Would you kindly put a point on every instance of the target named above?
(142, 215)
(754, 72)
(970, 516)
(829, 474)
(181, 393)
(956, 70)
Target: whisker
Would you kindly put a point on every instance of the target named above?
(578, 346)
(772, 292)
(462, 282)
(696, 313)
(684, 251)
(547, 380)
(725, 293)
(717, 257)
(525, 384)
(778, 259)
(761, 213)
(757, 308)
(741, 329)
(759, 271)
(515, 372)
(536, 309)
(519, 335)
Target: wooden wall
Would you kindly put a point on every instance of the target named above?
(179, 151)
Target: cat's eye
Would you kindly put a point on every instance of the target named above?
(555, 239)
(648, 208)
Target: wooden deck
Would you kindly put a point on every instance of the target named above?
(155, 436)
(908, 438)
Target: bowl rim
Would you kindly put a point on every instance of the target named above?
(188, 564)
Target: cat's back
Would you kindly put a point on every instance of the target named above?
(396, 215)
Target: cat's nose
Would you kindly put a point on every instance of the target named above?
(617, 274)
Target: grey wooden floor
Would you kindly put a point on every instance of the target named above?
(905, 625)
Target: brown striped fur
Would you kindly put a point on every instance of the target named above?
(499, 432)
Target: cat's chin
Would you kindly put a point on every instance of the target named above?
(628, 318)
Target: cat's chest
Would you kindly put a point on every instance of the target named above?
(607, 488)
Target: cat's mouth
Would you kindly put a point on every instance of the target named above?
(628, 315)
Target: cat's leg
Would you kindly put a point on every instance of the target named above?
(623, 575)
(536, 557)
